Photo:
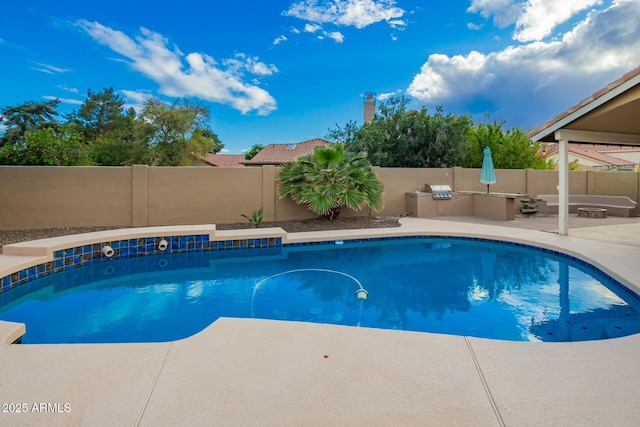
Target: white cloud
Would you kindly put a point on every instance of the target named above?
(336, 35)
(474, 27)
(67, 88)
(312, 28)
(193, 75)
(260, 68)
(534, 19)
(64, 100)
(49, 69)
(138, 97)
(7, 43)
(504, 12)
(398, 24)
(387, 95)
(541, 17)
(280, 39)
(521, 80)
(251, 64)
(468, 74)
(356, 13)
(135, 99)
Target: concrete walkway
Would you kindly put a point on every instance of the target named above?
(247, 372)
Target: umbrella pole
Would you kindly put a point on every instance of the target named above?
(487, 188)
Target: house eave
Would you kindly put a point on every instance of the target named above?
(549, 133)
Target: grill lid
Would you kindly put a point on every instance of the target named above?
(441, 191)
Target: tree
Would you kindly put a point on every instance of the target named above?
(117, 145)
(109, 134)
(46, 147)
(100, 113)
(110, 150)
(29, 116)
(253, 151)
(176, 132)
(510, 149)
(401, 138)
(329, 179)
(211, 138)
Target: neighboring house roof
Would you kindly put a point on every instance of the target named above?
(591, 151)
(225, 160)
(611, 109)
(277, 154)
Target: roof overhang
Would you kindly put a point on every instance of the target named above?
(610, 116)
(596, 137)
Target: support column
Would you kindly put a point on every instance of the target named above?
(269, 193)
(529, 183)
(590, 182)
(638, 185)
(458, 179)
(139, 189)
(563, 187)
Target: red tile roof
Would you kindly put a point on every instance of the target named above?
(277, 154)
(598, 94)
(225, 160)
(592, 151)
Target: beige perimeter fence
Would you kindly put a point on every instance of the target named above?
(52, 197)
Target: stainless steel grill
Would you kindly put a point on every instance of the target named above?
(441, 192)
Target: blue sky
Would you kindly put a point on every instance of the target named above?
(285, 71)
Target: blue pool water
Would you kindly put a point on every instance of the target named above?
(450, 286)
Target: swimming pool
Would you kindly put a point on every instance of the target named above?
(443, 285)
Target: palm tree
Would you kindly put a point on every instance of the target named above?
(329, 179)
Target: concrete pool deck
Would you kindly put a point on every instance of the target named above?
(270, 373)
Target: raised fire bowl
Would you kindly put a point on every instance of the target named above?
(592, 212)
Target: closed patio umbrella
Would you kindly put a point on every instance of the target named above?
(488, 175)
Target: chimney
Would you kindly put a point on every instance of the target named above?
(369, 106)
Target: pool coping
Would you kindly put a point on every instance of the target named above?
(239, 370)
(22, 256)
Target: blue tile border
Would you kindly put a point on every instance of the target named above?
(65, 259)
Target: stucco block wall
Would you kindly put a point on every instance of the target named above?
(398, 181)
(202, 195)
(578, 182)
(509, 181)
(53, 197)
(614, 184)
(546, 182)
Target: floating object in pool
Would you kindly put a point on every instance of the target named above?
(315, 311)
(362, 294)
(339, 242)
